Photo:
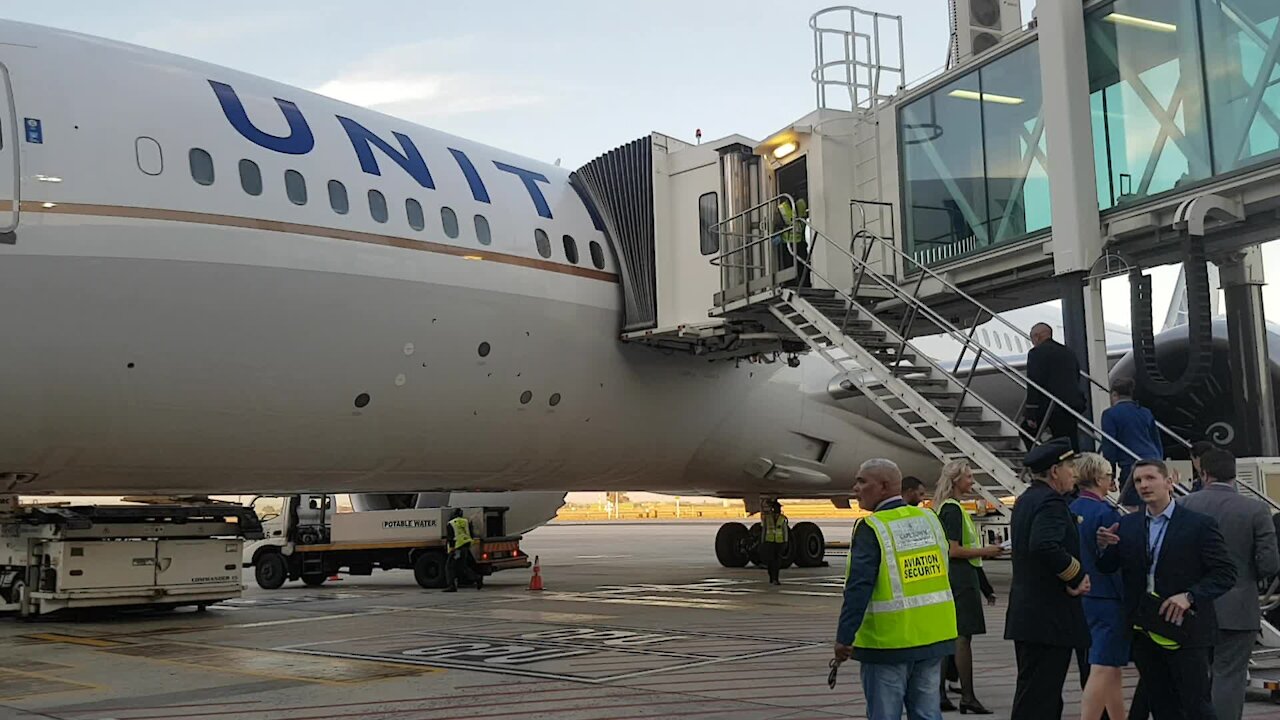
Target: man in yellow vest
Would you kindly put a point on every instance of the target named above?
(773, 538)
(898, 619)
(460, 537)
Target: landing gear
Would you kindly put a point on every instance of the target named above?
(809, 547)
(756, 535)
(732, 544)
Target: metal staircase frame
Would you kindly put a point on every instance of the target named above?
(887, 361)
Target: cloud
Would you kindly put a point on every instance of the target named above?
(429, 80)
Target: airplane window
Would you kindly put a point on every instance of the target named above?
(1000, 340)
(295, 186)
(986, 338)
(201, 166)
(482, 230)
(377, 206)
(414, 210)
(571, 249)
(147, 152)
(597, 255)
(250, 177)
(338, 197)
(543, 242)
(449, 219)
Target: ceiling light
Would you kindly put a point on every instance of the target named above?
(1145, 24)
(48, 179)
(784, 150)
(986, 97)
(472, 257)
(48, 205)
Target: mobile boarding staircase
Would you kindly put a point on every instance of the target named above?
(866, 332)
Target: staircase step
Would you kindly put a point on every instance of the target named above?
(965, 422)
(911, 369)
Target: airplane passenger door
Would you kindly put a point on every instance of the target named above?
(10, 172)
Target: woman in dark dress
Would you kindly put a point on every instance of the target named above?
(967, 553)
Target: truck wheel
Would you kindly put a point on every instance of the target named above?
(428, 570)
(314, 579)
(810, 546)
(731, 545)
(270, 570)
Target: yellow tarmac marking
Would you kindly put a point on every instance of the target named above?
(18, 684)
(73, 640)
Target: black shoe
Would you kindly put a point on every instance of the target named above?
(479, 584)
(974, 707)
(945, 705)
(451, 589)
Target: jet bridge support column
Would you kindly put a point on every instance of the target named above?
(1077, 228)
(1242, 280)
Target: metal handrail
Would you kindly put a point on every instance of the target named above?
(920, 354)
(995, 360)
(718, 229)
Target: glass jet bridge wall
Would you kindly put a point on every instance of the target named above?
(1181, 91)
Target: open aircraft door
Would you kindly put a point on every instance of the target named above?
(10, 170)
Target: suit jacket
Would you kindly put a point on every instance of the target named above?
(1193, 557)
(1046, 552)
(1053, 366)
(1135, 427)
(1251, 540)
(1092, 512)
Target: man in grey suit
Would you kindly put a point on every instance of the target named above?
(1251, 539)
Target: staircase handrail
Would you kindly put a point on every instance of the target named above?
(718, 229)
(996, 361)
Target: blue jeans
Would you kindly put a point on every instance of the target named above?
(890, 686)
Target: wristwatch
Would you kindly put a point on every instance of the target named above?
(1190, 597)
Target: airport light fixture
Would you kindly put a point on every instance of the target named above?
(784, 150)
(986, 97)
(472, 257)
(1140, 22)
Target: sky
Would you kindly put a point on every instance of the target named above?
(554, 80)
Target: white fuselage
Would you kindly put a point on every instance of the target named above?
(168, 336)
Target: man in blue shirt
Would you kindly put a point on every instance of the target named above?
(1134, 427)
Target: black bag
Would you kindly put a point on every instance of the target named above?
(1150, 619)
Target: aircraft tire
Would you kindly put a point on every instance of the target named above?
(731, 545)
(270, 570)
(810, 547)
(428, 570)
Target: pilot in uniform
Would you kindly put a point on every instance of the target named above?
(1045, 619)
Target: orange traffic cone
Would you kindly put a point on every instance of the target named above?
(535, 582)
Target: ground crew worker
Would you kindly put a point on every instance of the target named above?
(1045, 619)
(898, 618)
(460, 536)
(773, 538)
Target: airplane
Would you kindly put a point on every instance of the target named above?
(215, 283)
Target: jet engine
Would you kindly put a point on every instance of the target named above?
(1205, 411)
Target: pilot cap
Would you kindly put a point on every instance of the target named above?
(1041, 459)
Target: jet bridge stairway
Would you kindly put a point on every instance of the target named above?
(866, 333)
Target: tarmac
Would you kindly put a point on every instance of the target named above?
(636, 621)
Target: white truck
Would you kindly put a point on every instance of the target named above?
(160, 555)
(305, 538)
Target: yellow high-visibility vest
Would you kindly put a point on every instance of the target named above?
(461, 533)
(969, 536)
(775, 527)
(911, 603)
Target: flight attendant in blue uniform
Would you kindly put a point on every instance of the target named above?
(1104, 603)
